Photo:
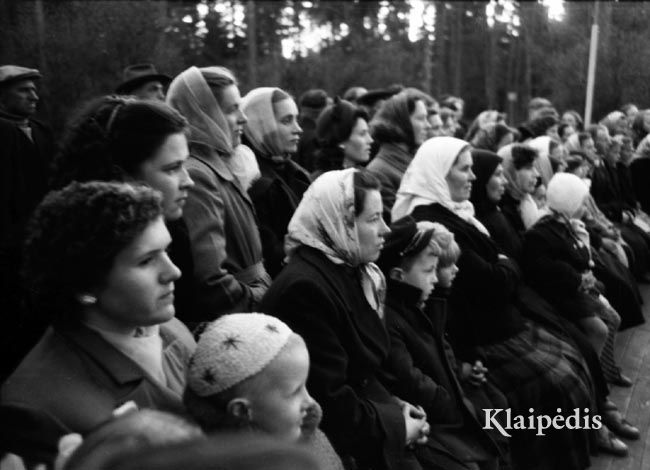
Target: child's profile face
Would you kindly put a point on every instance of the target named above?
(447, 274)
(279, 399)
(422, 273)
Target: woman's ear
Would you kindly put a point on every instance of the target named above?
(397, 274)
(240, 408)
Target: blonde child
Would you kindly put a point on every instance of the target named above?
(421, 367)
(249, 372)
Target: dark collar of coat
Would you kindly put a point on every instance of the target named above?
(122, 368)
(330, 271)
(395, 155)
(405, 300)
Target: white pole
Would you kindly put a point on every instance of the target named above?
(591, 74)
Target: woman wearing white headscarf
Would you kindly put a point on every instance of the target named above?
(533, 368)
(273, 132)
(332, 293)
(521, 175)
(229, 275)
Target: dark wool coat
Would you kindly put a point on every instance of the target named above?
(554, 262)
(23, 183)
(531, 304)
(625, 184)
(483, 292)
(348, 344)
(640, 175)
(72, 381)
(510, 209)
(389, 166)
(607, 192)
(276, 196)
(532, 367)
(421, 369)
(229, 275)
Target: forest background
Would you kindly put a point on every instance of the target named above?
(495, 54)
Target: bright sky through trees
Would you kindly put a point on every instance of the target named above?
(303, 34)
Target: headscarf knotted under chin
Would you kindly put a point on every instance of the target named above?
(261, 130)
(325, 220)
(190, 94)
(425, 180)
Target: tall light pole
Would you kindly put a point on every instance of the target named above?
(591, 74)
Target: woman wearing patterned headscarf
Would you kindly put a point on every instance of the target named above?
(273, 133)
(531, 366)
(229, 275)
(332, 293)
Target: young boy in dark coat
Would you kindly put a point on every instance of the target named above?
(421, 364)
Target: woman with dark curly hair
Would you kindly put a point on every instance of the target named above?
(400, 127)
(96, 266)
(116, 138)
(343, 137)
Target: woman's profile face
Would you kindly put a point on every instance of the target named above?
(420, 123)
(460, 177)
(139, 288)
(496, 185)
(371, 228)
(356, 148)
(230, 103)
(165, 171)
(526, 178)
(289, 131)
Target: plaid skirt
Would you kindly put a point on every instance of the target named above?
(537, 370)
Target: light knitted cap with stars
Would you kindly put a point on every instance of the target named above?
(234, 348)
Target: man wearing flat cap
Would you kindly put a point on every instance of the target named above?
(26, 147)
(144, 82)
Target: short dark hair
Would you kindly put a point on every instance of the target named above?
(523, 156)
(363, 181)
(314, 98)
(388, 125)
(110, 137)
(541, 124)
(74, 236)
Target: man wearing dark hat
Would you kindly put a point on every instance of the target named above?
(26, 147)
(144, 82)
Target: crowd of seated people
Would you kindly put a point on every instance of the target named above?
(365, 282)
